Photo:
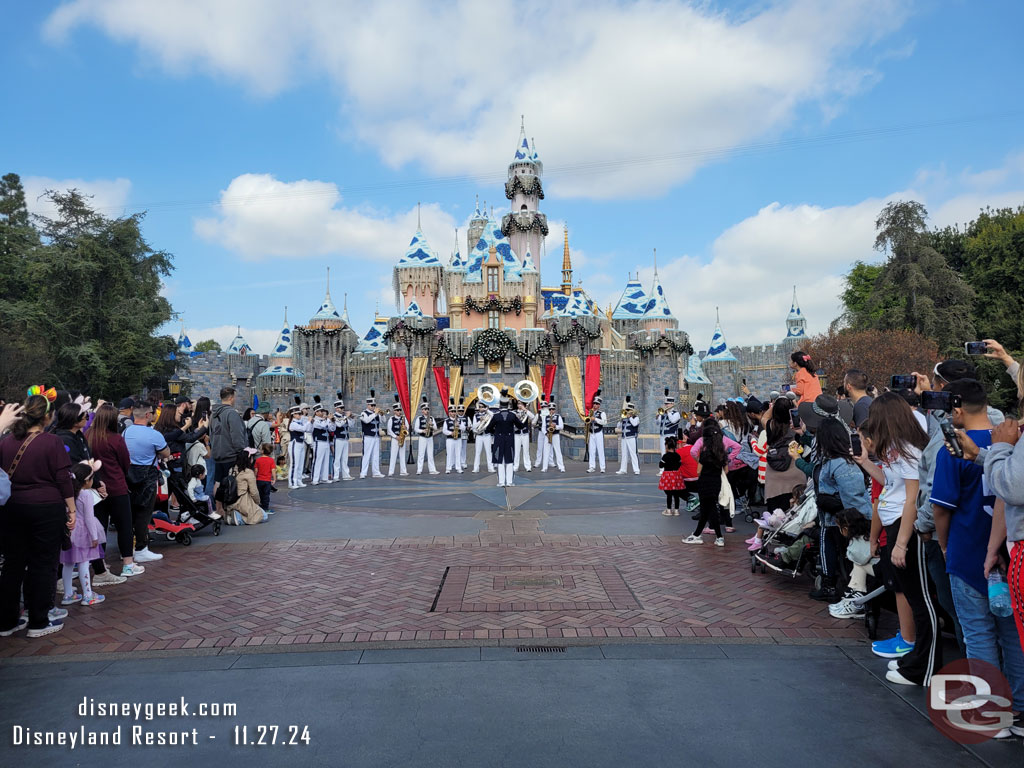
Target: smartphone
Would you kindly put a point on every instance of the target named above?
(949, 433)
(901, 381)
(855, 444)
(976, 347)
(940, 401)
(794, 417)
(786, 387)
(744, 382)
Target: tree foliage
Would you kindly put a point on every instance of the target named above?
(915, 289)
(880, 354)
(207, 345)
(80, 298)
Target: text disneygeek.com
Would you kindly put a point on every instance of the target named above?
(248, 734)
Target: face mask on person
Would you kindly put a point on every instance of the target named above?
(859, 551)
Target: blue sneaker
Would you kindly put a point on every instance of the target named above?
(892, 648)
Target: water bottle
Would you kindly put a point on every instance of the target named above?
(999, 594)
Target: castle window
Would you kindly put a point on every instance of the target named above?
(493, 319)
(492, 279)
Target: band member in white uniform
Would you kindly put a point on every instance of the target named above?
(483, 440)
(370, 421)
(502, 427)
(298, 428)
(399, 453)
(629, 427)
(598, 420)
(342, 424)
(552, 448)
(464, 427)
(322, 437)
(540, 435)
(668, 422)
(425, 428)
(527, 419)
(451, 427)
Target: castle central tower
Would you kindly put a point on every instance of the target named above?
(525, 226)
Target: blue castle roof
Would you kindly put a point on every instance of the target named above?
(633, 304)
(719, 349)
(282, 370)
(283, 346)
(695, 373)
(373, 341)
(657, 305)
(419, 253)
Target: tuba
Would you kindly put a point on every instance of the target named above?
(489, 395)
(525, 391)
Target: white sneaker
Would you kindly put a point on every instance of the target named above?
(845, 609)
(145, 556)
(591, 470)
(56, 614)
(691, 539)
(107, 578)
(621, 472)
(719, 542)
(132, 569)
(893, 676)
(893, 665)
(435, 472)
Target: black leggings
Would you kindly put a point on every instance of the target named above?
(708, 515)
(672, 499)
(141, 517)
(118, 509)
(744, 483)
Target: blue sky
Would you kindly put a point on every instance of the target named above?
(270, 139)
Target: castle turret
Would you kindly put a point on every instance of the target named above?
(658, 315)
(720, 365)
(525, 225)
(796, 323)
(281, 376)
(418, 276)
(327, 317)
(566, 266)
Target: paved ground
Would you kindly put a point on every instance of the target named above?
(356, 610)
(430, 558)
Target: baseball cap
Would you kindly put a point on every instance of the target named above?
(180, 399)
(126, 402)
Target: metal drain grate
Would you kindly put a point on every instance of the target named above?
(540, 649)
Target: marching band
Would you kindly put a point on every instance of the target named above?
(501, 426)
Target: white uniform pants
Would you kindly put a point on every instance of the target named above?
(522, 450)
(371, 456)
(453, 455)
(341, 459)
(296, 461)
(425, 449)
(464, 451)
(483, 444)
(401, 455)
(321, 461)
(506, 473)
(597, 449)
(627, 450)
(552, 453)
(541, 439)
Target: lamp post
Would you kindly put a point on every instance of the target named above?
(174, 385)
(822, 379)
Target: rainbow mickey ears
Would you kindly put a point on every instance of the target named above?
(38, 389)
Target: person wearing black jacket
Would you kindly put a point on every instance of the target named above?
(71, 420)
(174, 424)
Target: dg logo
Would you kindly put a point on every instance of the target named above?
(970, 701)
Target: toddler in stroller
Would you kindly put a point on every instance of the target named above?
(789, 545)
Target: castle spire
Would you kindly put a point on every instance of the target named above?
(344, 311)
(566, 264)
(796, 323)
(328, 282)
(418, 224)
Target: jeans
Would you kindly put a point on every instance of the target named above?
(264, 486)
(937, 570)
(211, 474)
(990, 637)
(31, 537)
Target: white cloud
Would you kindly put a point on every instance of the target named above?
(261, 340)
(599, 81)
(754, 264)
(108, 196)
(261, 217)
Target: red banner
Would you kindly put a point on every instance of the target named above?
(441, 377)
(549, 380)
(591, 381)
(400, 374)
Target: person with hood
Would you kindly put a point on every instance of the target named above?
(227, 437)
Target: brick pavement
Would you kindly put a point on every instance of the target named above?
(310, 592)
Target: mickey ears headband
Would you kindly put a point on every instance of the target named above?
(38, 389)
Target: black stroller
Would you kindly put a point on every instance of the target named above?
(196, 514)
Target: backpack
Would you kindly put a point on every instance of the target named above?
(228, 490)
(249, 434)
(778, 457)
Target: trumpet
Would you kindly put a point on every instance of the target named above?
(661, 411)
(624, 414)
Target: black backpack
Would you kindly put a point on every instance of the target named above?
(778, 457)
(228, 490)
(249, 435)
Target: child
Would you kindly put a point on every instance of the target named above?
(281, 468)
(87, 539)
(671, 480)
(265, 466)
(712, 460)
(197, 490)
(857, 529)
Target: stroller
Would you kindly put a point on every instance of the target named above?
(192, 516)
(798, 524)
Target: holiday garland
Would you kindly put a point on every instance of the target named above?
(672, 343)
(329, 332)
(576, 331)
(514, 304)
(400, 329)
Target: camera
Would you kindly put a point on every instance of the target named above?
(940, 401)
(794, 417)
(903, 381)
(976, 347)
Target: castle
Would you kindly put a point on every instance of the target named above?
(486, 317)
